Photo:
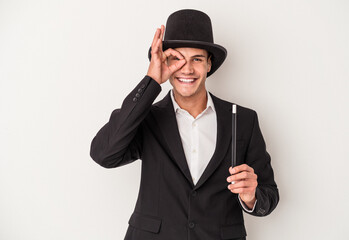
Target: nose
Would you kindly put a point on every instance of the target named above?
(187, 68)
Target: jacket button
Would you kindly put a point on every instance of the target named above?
(194, 193)
(191, 225)
(135, 99)
(143, 86)
(261, 211)
(140, 90)
(138, 95)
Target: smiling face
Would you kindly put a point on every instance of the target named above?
(189, 81)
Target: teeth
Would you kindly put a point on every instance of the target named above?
(186, 80)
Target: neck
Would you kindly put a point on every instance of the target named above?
(194, 105)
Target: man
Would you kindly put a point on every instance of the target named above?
(188, 188)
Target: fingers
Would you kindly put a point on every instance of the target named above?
(156, 46)
(171, 52)
(247, 186)
(174, 67)
(242, 176)
(240, 168)
(243, 190)
(243, 179)
(161, 36)
(247, 183)
(156, 37)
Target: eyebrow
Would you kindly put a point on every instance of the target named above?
(195, 56)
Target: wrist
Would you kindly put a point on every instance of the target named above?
(154, 78)
(249, 203)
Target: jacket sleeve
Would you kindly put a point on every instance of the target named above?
(257, 157)
(119, 141)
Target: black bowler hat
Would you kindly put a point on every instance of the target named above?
(192, 28)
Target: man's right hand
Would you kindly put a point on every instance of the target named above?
(158, 68)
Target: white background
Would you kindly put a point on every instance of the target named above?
(65, 65)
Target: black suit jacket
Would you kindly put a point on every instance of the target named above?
(169, 205)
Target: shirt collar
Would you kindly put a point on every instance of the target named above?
(209, 104)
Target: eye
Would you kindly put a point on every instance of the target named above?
(174, 58)
(197, 59)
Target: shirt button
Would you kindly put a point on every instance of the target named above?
(194, 124)
(194, 150)
(191, 225)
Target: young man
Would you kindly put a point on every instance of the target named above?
(188, 188)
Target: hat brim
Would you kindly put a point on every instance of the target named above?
(218, 52)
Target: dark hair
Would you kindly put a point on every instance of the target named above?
(209, 55)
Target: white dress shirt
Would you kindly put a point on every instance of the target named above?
(199, 136)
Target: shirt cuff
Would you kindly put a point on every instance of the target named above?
(245, 207)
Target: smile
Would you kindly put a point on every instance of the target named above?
(186, 80)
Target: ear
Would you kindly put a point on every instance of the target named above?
(209, 64)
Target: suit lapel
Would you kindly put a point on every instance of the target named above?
(166, 120)
(224, 117)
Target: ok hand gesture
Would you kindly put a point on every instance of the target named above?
(158, 68)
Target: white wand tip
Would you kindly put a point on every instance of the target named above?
(234, 108)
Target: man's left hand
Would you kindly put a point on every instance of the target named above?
(243, 182)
